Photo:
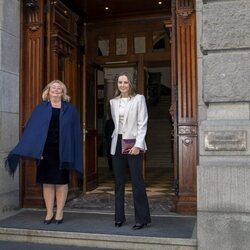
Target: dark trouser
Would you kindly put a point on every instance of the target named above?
(120, 162)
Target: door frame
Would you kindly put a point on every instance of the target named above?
(182, 28)
(184, 108)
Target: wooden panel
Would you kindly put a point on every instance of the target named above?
(61, 17)
(91, 167)
(90, 145)
(187, 106)
(188, 146)
(170, 27)
(187, 152)
(186, 68)
(31, 89)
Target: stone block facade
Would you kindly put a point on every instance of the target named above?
(9, 98)
(224, 111)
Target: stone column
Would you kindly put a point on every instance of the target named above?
(223, 177)
(9, 98)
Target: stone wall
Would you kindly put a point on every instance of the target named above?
(9, 98)
(223, 174)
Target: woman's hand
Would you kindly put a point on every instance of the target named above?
(134, 151)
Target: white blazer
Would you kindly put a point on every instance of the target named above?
(135, 121)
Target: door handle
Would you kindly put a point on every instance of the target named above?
(85, 131)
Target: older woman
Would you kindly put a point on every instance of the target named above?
(52, 136)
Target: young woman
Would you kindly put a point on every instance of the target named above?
(129, 113)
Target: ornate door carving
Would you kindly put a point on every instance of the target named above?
(183, 109)
(187, 105)
(32, 79)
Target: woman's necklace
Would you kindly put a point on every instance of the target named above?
(56, 104)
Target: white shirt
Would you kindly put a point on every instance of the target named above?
(122, 105)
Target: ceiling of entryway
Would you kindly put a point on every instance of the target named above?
(97, 9)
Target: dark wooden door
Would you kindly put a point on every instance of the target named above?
(184, 102)
(90, 129)
(186, 116)
(31, 82)
(41, 64)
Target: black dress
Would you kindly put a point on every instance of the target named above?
(48, 171)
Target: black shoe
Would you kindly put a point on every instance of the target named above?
(139, 226)
(47, 222)
(57, 222)
(119, 223)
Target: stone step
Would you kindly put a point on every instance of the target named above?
(102, 241)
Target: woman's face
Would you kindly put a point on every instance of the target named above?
(55, 91)
(123, 85)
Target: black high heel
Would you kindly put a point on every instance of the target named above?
(57, 222)
(47, 222)
(119, 223)
(139, 226)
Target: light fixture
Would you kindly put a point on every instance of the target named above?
(160, 2)
(106, 8)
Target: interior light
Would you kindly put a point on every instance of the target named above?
(106, 8)
(159, 2)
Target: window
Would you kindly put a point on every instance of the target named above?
(139, 43)
(158, 41)
(121, 44)
(103, 46)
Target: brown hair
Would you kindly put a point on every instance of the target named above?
(45, 94)
(132, 87)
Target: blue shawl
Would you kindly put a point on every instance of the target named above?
(32, 141)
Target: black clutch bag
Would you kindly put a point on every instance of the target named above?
(127, 144)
